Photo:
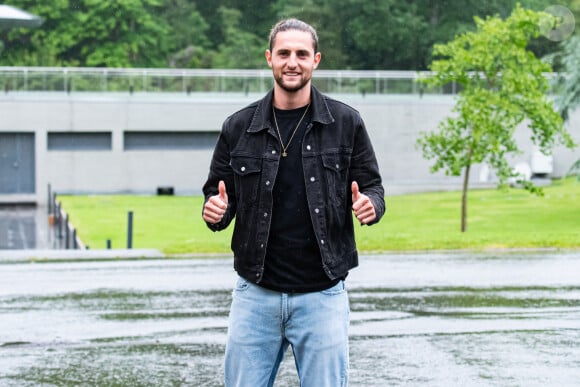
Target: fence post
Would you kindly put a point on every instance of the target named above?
(58, 219)
(66, 233)
(130, 230)
(49, 200)
(53, 205)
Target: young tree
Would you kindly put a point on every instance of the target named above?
(503, 86)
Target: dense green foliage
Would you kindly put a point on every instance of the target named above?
(568, 81)
(502, 85)
(499, 219)
(354, 34)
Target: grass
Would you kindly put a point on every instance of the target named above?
(430, 221)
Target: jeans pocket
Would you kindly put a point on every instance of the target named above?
(337, 289)
(242, 284)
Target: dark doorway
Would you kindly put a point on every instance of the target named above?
(17, 169)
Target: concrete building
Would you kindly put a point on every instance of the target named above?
(137, 142)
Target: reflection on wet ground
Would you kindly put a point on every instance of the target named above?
(25, 227)
(417, 319)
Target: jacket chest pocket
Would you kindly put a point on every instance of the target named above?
(247, 172)
(336, 172)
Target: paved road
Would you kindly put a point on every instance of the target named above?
(24, 227)
(445, 319)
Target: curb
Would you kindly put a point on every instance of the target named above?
(69, 255)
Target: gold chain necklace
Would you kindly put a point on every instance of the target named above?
(285, 148)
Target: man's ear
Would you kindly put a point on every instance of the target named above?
(268, 56)
(317, 58)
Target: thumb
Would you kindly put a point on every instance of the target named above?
(355, 191)
(222, 191)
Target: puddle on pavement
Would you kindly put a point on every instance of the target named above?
(26, 227)
(166, 324)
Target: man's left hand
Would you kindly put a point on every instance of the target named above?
(363, 207)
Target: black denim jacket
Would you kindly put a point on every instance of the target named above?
(335, 151)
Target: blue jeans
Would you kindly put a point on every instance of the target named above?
(263, 323)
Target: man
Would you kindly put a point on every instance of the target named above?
(290, 168)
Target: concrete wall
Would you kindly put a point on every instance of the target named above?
(393, 123)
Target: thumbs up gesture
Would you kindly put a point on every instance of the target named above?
(362, 206)
(216, 206)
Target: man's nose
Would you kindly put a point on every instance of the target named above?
(292, 62)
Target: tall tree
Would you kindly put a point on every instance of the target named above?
(354, 34)
(567, 63)
(329, 22)
(126, 33)
(503, 85)
(39, 47)
(240, 49)
(107, 33)
(385, 34)
(258, 16)
(568, 81)
(189, 45)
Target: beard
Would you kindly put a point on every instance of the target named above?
(293, 87)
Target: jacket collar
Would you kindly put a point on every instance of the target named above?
(262, 117)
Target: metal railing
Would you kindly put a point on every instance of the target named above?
(131, 80)
(65, 234)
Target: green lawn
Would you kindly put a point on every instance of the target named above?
(431, 221)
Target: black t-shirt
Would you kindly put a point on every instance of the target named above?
(293, 261)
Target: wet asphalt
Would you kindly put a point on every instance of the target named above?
(25, 227)
(438, 319)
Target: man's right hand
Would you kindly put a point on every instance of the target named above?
(216, 206)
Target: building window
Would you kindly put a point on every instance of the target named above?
(170, 140)
(79, 141)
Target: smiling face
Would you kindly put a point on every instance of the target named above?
(292, 59)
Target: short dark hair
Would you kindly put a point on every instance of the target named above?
(293, 24)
